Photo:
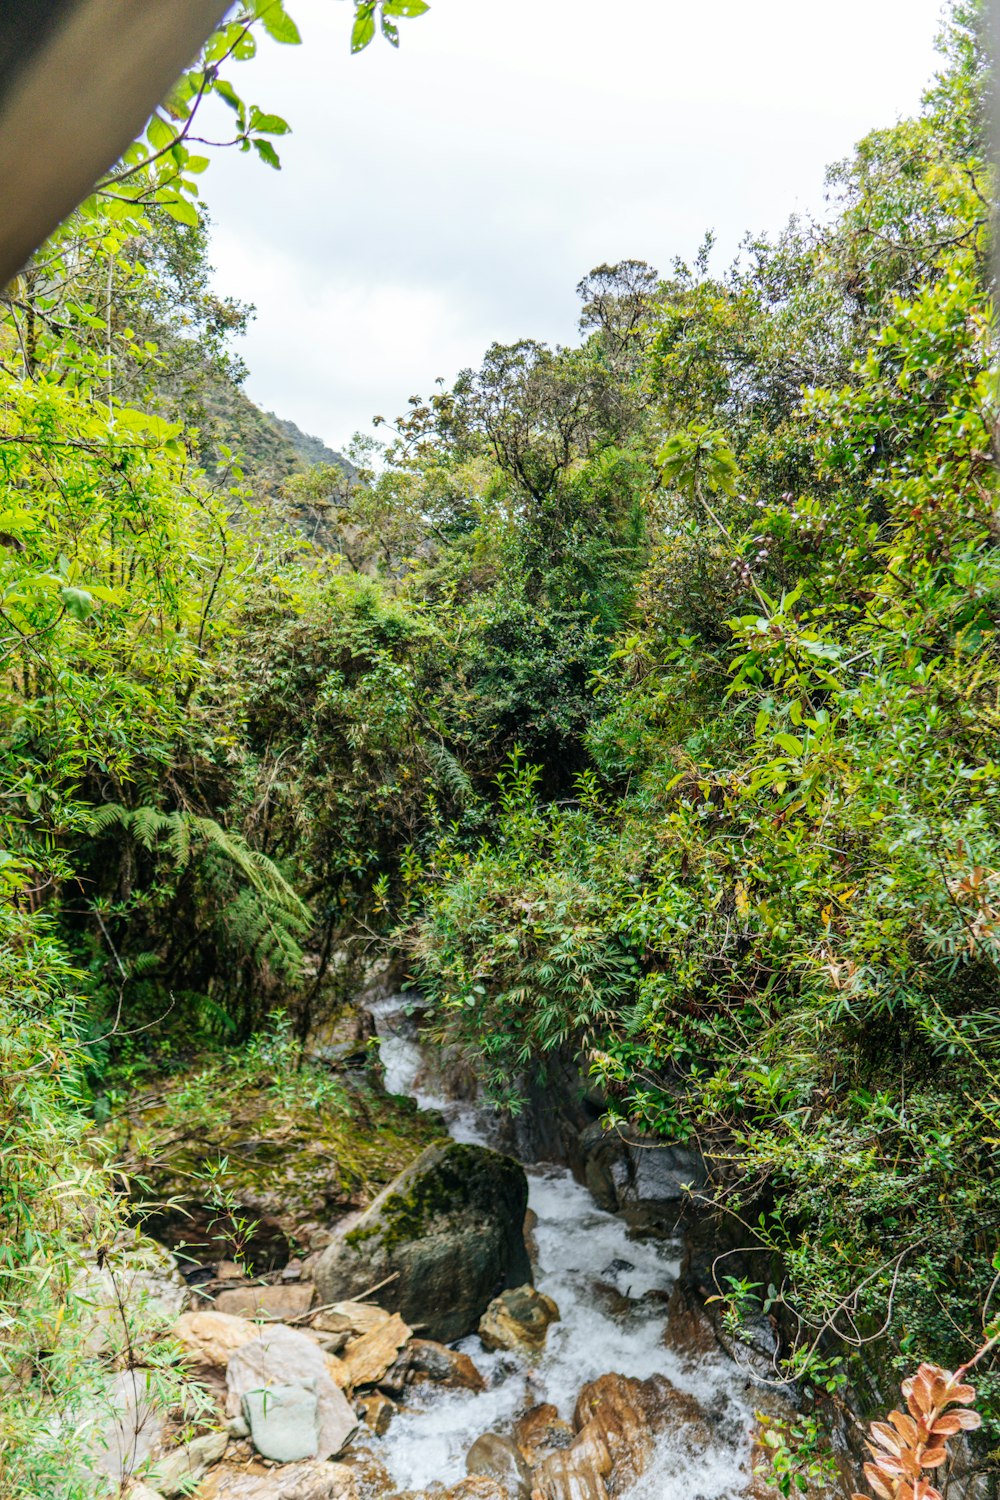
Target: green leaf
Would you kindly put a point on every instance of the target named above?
(267, 153)
(182, 211)
(159, 133)
(408, 8)
(364, 29)
(279, 26)
(228, 93)
(268, 124)
(790, 743)
(78, 603)
(390, 31)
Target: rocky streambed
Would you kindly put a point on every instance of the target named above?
(486, 1329)
(629, 1391)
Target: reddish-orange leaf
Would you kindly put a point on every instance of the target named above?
(904, 1425)
(888, 1437)
(878, 1484)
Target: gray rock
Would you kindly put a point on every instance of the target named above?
(284, 1421)
(133, 1427)
(171, 1475)
(446, 1237)
(280, 1358)
(636, 1175)
(500, 1458)
(143, 1280)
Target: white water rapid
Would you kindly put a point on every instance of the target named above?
(611, 1292)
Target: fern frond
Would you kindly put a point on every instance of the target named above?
(449, 773)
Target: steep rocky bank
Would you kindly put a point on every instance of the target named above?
(347, 1343)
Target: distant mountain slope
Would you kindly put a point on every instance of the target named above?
(311, 450)
(271, 448)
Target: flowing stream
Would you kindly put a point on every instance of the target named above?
(611, 1292)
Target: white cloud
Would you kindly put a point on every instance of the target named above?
(455, 192)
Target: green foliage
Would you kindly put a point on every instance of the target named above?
(772, 919)
(647, 686)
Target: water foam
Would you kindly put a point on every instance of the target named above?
(611, 1292)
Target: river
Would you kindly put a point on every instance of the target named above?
(611, 1292)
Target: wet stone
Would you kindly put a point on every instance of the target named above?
(518, 1319)
(500, 1458)
(540, 1432)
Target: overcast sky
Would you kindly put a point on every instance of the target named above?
(454, 192)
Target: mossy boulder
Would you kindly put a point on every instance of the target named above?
(445, 1238)
(258, 1166)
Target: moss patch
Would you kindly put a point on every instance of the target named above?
(290, 1152)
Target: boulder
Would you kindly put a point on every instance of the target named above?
(367, 1357)
(518, 1319)
(132, 1427)
(284, 1421)
(627, 1415)
(640, 1176)
(276, 1303)
(143, 1280)
(372, 1479)
(476, 1487)
(577, 1472)
(424, 1360)
(500, 1458)
(209, 1338)
(542, 1431)
(689, 1330)
(173, 1475)
(287, 1360)
(305, 1481)
(445, 1237)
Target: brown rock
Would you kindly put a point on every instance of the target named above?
(628, 1414)
(542, 1431)
(368, 1357)
(275, 1303)
(530, 1241)
(518, 1319)
(423, 1359)
(613, 1409)
(372, 1479)
(377, 1412)
(500, 1458)
(210, 1338)
(352, 1318)
(577, 1473)
(305, 1481)
(477, 1487)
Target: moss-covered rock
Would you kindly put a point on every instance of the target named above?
(256, 1165)
(445, 1238)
